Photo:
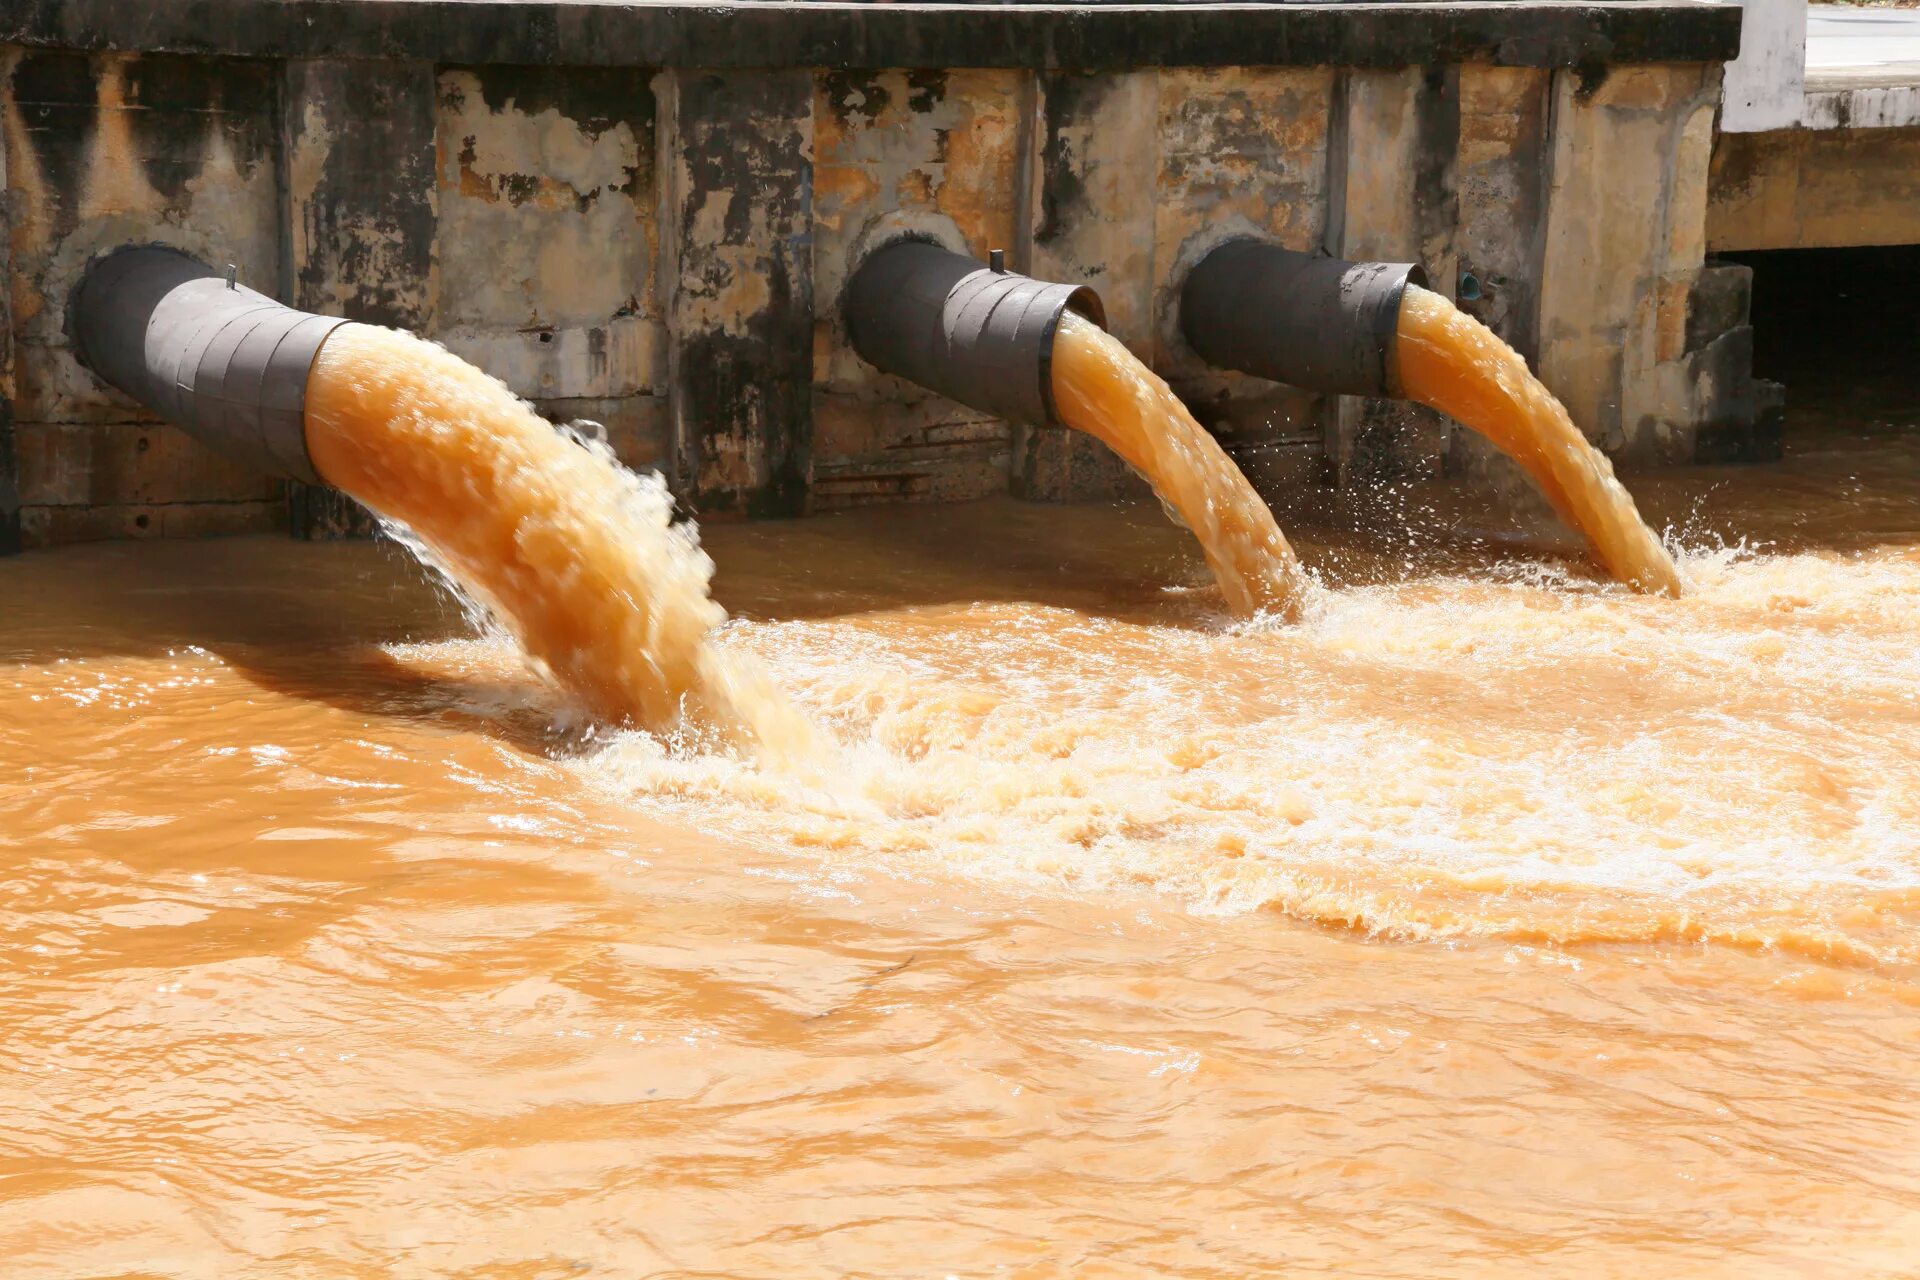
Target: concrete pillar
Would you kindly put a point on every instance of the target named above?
(1393, 198)
(1624, 248)
(1501, 177)
(1093, 152)
(1766, 86)
(360, 218)
(735, 166)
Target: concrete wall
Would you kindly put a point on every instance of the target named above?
(1814, 189)
(1766, 84)
(664, 251)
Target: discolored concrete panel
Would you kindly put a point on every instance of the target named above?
(1617, 255)
(9, 486)
(1097, 159)
(936, 152)
(1814, 189)
(111, 464)
(114, 149)
(736, 171)
(1239, 147)
(1394, 199)
(1242, 151)
(1501, 180)
(360, 190)
(360, 217)
(106, 150)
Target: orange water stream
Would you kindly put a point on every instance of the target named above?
(1101, 389)
(571, 552)
(1451, 361)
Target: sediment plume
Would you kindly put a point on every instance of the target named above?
(1453, 363)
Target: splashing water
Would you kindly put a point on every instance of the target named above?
(1102, 390)
(573, 554)
(1455, 364)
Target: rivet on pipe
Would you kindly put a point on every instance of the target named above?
(997, 261)
(233, 276)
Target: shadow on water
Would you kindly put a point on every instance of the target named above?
(302, 620)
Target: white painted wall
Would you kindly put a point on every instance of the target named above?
(1766, 84)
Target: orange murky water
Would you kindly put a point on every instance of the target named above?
(1099, 388)
(1489, 920)
(573, 554)
(1451, 361)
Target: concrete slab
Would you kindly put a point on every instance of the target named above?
(853, 36)
(1863, 68)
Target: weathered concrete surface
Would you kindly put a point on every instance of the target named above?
(1813, 189)
(1395, 200)
(1764, 85)
(1625, 239)
(1863, 69)
(1568, 33)
(736, 211)
(1138, 175)
(360, 216)
(933, 151)
(663, 252)
(102, 151)
(547, 241)
(9, 483)
(1098, 139)
(1241, 151)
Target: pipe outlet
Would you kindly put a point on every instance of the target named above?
(225, 364)
(1315, 322)
(975, 334)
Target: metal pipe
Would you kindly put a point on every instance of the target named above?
(1315, 322)
(224, 363)
(979, 335)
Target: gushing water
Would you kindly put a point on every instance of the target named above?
(1451, 361)
(1102, 390)
(576, 556)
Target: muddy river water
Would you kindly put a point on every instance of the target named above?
(1491, 920)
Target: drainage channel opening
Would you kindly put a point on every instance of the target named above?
(1837, 326)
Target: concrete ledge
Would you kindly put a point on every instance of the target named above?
(1814, 189)
(1546, 33)
(1878, 97)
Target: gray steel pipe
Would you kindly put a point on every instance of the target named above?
(222, 362)
(1315, 322)
(975, 334)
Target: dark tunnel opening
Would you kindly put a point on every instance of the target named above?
(1839, 327)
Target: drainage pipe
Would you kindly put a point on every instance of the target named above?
(224, 363)
(981, 335)
(1315, 322)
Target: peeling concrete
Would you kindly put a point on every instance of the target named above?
(546, 235)
(737, 205)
